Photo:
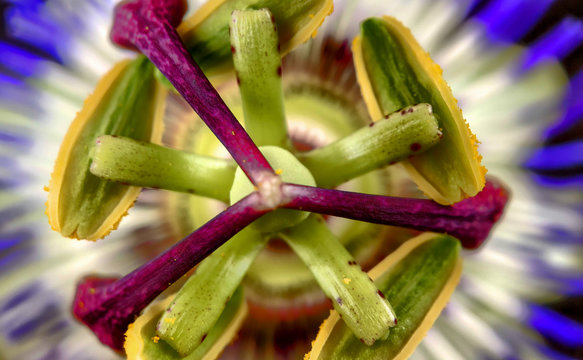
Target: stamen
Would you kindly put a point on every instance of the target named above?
(107, 305)
(148, 25)
(139, 163)
(394, 138)
(469, 220)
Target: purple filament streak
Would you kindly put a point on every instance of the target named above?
(557, 43)
(510, 20)
(555, 326)
(557, 157)
(574, 106)
(20, 61)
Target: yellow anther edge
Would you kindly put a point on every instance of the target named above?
(385, 265)
(434, 71)
(134, 341)
(73, 133)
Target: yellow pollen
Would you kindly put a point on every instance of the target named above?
(170, 320)
(279, 171)
(347, 280)
(155, 339)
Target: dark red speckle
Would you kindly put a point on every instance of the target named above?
(232, 49)
(381, 294)
(415, 147)
(279, 71)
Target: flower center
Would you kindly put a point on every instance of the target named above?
(288, 169)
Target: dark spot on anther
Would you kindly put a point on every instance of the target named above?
(410, 110)
(392, 163)
(403, 112)
(191, 191)
(203, 337)
(232, 49)
(352, 262)
(381, 294)
(371, 124)
(339, 301)
(278, 47)
(273, 19)
(115, 136)
(361, 340)
(415, 147)
(238, 81)
(279, 71)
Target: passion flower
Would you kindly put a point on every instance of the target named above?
(276, 179)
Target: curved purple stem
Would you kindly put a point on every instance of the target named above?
(148, 25)
(469, 220)
(108, 305)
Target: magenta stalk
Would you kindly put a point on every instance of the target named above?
(149, 26)
(108, 305)
(469, 220)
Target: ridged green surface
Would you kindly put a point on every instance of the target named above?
(401, 77)
(411, 286)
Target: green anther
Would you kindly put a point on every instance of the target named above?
(404, 133)
(364, 308)
(418, 278)
(395, 72)
(206, 33)
(142, 342)
(291, 171)
(255, 48)
(145, 164)
(200, 302)
(127, 102)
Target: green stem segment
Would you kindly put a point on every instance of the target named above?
(201, 301)
(144, 164)
(401, 134)
(364, 308)
(255, 48)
